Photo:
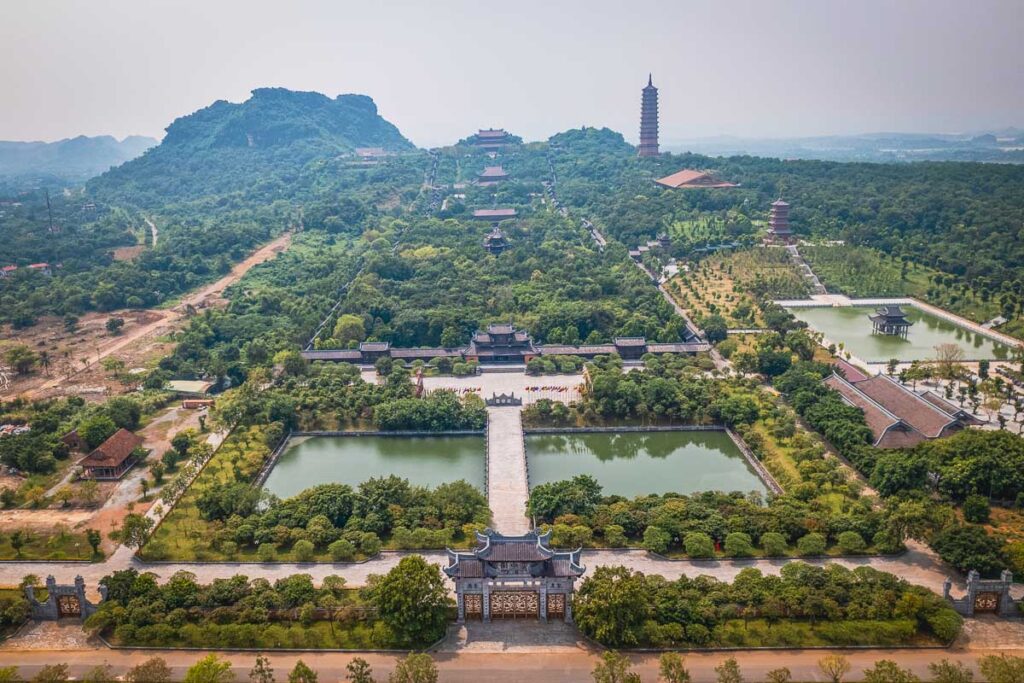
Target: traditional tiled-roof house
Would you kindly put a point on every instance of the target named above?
(897, 416)
(112, 458)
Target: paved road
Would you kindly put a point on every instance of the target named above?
(918, 565)
(507, 489)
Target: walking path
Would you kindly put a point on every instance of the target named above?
(507, 488)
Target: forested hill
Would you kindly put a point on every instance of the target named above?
(259, 145)
(959, 217)
(76, 158)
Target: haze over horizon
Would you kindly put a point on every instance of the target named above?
(792, 68)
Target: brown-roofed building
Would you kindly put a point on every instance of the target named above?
(113, 457)
(494, 214)
(897, 416)
(690, 179)
(492, 138)
(514, 577)
(491, 175)
(74, 441)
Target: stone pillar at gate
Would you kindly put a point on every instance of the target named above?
(543, 608)
(460, 601)
(568, 610)
(487, 602)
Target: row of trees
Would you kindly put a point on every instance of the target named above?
(407, 607)
(804, 604)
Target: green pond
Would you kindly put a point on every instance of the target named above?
(638, 463)
(850, 325)
(424, 461)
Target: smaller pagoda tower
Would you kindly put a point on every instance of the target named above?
(649, 120)
(778, 219)
(495, 241)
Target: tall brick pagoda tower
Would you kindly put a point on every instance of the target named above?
(649, 121)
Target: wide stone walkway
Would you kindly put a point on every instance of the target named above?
(507, 488)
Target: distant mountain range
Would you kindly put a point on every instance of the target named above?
(73, 159)
(1001, 146)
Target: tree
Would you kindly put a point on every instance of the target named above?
(672, 668)
(774, 544)
(261, 672)
(656, 539)
(971, 547)
(210, 669)
(18, 539)
(359, 671)
(412, 601)
(135, 529)
(834, 667)
(94, 538)
(698, 545)
(948, 359)
(738, 544)
(96, 429)
(291, 361)
(612, 605)
(945, 671)
(302, 674)
(114, 325)
(888, 671)
(416, 668)
(729, 671)
(89, 492)
(102, 673)
(614, 668)
(52, 673)
(1002, 668)
(348, 329)
(976, 509)
(21, 358)
(811, 544)
(780, 675)
(715, 328)
(9, 674)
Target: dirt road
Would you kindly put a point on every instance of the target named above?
(165, 319)
(560, 667)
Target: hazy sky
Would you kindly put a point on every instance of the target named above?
(441, 69)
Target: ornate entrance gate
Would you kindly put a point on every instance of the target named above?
(556, 606)
(68, 606)
(474, 604)
(515, 605)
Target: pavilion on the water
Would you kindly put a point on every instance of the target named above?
(891, 320)
(514, 577)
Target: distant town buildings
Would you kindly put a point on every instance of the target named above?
(649, 120)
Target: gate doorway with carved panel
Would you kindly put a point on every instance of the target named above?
(986, 602)
(556, 606)
(474, 605)
(68, 606)
(515, 605)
